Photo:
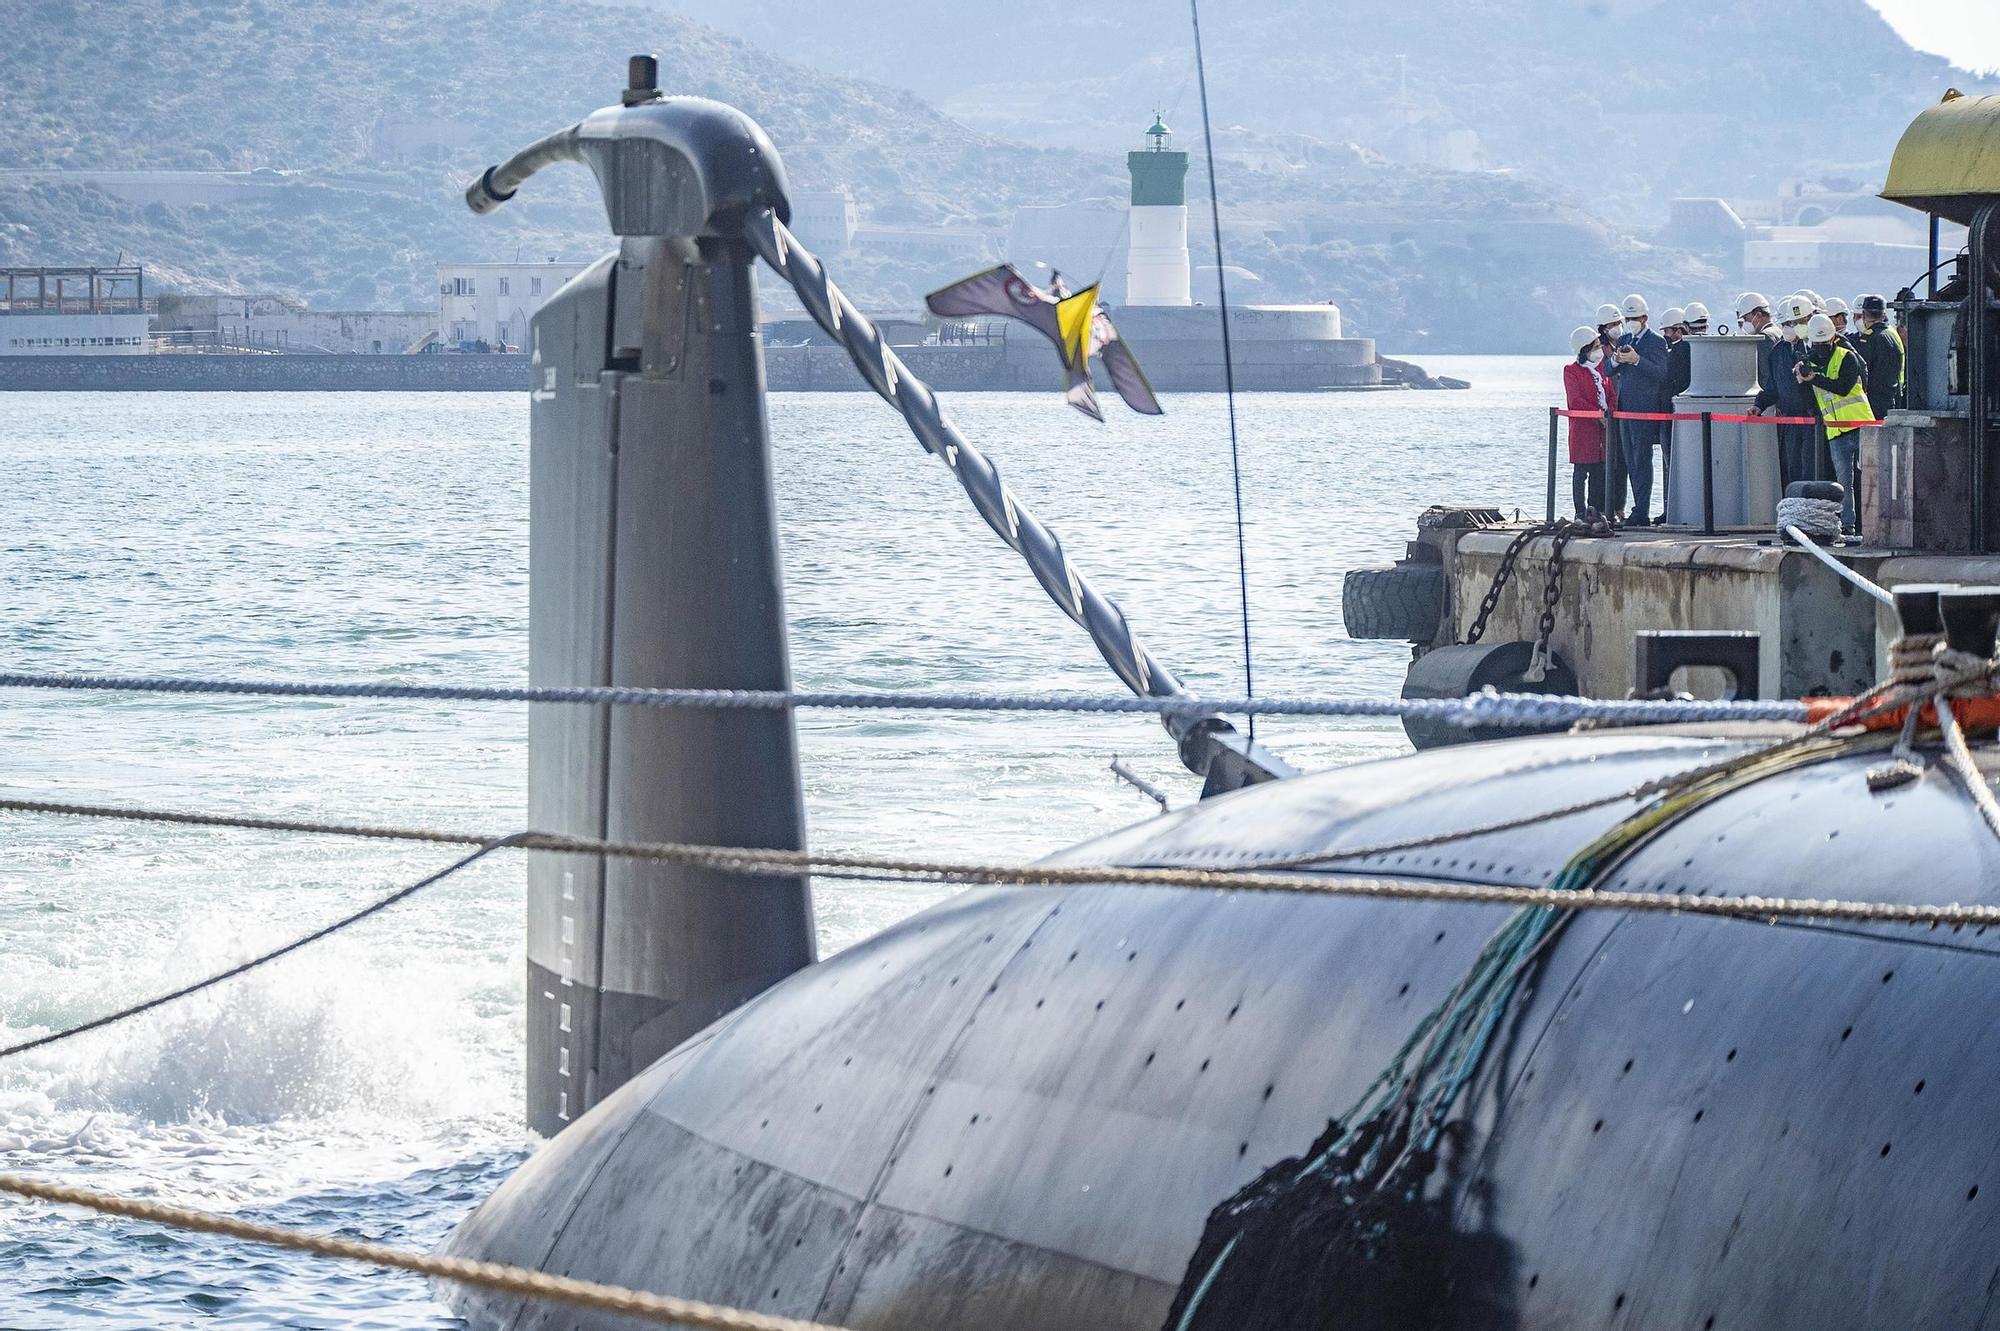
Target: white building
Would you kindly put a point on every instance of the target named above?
(493, 302)
(825, 220)
(1156, 264)
(72, 312)
(925, 244)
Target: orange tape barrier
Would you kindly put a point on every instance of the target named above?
(1718, 418)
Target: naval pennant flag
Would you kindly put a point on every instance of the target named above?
(1071, 320)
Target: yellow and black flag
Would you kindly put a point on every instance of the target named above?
(1072, 321)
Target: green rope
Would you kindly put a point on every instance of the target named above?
(1376, 1159)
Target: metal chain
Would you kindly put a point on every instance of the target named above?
(1552, 589)
(1491, 600)
(658, 1308)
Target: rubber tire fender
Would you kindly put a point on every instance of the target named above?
(1401, 600)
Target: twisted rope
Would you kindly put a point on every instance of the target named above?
(374, 907)
(1488, 708)
(657, 1308)
(893, 382)
(981, 873)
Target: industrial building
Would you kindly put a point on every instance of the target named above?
(73, 311)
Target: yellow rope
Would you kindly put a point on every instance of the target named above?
(486, 1275)
(751, 862)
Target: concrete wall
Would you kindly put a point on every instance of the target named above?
(1032, 367)
(1819, 634)
(360, 332)
(252, 373)
(72, 335)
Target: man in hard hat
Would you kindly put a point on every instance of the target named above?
(1833, 374)
(1799, 446)
(1835, 309)
(1696, 318)
(1680, 356)
(1882, 347)
(1753, 312)
(1639, 364)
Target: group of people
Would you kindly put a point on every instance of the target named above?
(1821, 362)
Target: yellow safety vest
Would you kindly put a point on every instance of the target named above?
(1902, 356)
(1834, 410)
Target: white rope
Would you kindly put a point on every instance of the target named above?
(1802, 525)
(1487, 708)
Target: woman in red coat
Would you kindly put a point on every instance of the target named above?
(1588, 389)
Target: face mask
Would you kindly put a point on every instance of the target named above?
(1633, 326)
(1793, 332)
(1593, 356)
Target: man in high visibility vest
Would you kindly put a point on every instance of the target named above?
(1835, 375)
(1882, 347)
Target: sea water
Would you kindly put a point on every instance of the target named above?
(371, 1086)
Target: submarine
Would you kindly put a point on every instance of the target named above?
(1127, 1106)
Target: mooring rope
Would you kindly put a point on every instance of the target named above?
(1486, 708)
(984, 873)
(1803, 525)
(518, 1280)
(326, 931)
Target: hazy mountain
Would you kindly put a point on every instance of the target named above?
(1628, 102)
(380, 110)
(363, 119)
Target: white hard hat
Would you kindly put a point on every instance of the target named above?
(1695, 313)
(1749, 303)
(1579, 338)
(1633, 307)
(1795, 307)
(1607, 314)
(1819, 328)
(1674, 317)
(1818, 301)
(1835, 305)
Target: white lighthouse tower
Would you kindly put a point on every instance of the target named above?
(1156, 266)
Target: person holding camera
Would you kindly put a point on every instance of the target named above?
(1799, 446)
(1639, 366)
(1834, 375)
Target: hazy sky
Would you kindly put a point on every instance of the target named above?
(1967, 31)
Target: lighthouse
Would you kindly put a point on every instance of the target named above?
(1156, 266)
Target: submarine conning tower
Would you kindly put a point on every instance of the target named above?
(653, 561)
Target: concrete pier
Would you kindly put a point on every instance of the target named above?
(1820, 634)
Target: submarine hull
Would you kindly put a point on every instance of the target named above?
(1017, 1110)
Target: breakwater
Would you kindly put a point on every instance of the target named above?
(976, 368)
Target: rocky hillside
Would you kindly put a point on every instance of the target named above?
(1628, 102)
(364, 119)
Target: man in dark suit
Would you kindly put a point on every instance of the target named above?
(1640, 365)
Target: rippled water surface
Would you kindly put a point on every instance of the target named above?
(371, 1087)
